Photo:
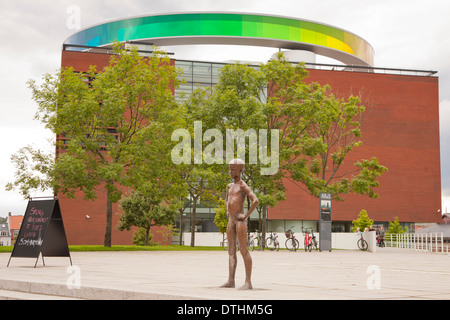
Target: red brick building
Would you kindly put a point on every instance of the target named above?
(400, 128)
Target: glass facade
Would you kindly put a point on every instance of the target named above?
(197, 74)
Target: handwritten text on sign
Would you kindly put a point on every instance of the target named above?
(34, 225)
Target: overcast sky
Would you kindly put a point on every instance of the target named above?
(405, 34)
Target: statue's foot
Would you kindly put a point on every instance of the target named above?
(246, 286)
(229, 284)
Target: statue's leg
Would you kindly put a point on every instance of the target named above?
(232, 259)
(241, 230)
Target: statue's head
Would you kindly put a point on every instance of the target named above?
(237, 166)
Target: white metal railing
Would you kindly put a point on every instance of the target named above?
(431, 242)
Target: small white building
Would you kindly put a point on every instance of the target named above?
(5, 236)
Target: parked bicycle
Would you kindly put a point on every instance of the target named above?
(291, 243)
(380, 237)
(255, 241)
(362, 244)
(272, 242)
(380, 242)
(310, 241)
(315, 246)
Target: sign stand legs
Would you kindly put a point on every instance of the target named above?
(43, 262)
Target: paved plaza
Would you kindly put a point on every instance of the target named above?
(390, 273)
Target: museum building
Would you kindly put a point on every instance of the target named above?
(401, 127)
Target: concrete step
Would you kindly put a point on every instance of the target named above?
(25, 290)
(20, 295)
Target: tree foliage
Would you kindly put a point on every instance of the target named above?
(112, 125)
(317, 131)
(362, 222)
(145, 211)
(395, 227)
(114, 129)
(221, 218)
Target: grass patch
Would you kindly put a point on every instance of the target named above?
(141, 248)
(86, 248)
(6, 248)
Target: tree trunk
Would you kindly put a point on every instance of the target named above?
(194, 209)
(108, 229)
(147, 234)
(263, 229)
(181, 227)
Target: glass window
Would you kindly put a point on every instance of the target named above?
(202, 73)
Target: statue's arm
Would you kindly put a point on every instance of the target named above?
(253, 199)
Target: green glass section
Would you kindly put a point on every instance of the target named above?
(225, 25)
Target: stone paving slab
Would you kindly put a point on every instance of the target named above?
(390, 273)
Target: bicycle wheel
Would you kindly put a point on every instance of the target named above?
(225, 244)
(277, 245)
(270, 244)
(259, 245)
(292, 244)
(306, 245)
(251, 245)
(296, 244)
(314, 245)
(362, 245)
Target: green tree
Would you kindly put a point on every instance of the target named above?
(33, 170)
(145, 211)
(395, 227)
(202, 181)
(237, 103)
(318, 131)
(362, 222)
(221, 218)
(201, 186)
(109, 125)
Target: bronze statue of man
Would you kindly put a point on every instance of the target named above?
(237, 223)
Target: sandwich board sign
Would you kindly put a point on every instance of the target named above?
(42, 232)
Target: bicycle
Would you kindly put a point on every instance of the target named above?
(380, 242)
(310, 241)
(255, 242)
(362, 244)
(291, 243)
(314, 241)
(272, 242)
